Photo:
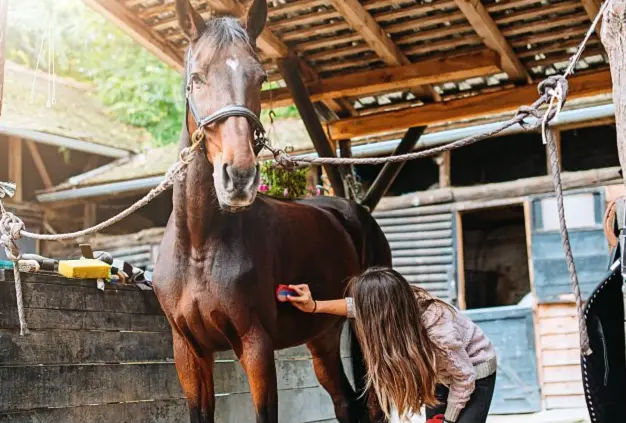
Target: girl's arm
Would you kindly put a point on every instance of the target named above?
(305, 302)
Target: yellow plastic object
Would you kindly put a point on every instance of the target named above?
(84, 269)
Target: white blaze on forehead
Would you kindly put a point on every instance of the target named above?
(232, 63)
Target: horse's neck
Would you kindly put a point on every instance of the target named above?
(195, 206)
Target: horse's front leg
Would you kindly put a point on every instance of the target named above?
(257, 359)
(196, 378)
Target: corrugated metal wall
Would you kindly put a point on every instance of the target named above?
(421, 240)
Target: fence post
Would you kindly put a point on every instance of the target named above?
(613, 35)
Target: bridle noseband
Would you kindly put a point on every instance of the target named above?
(221, 114)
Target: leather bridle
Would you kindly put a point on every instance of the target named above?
(221, 114)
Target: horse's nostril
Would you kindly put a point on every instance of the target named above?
(227, 177)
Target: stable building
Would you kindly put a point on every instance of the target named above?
(476, 226)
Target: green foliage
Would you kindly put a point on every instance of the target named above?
(137, 87)
(278, 182)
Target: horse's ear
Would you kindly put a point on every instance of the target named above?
(255, 19)
(189, 20)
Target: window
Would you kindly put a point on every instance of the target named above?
(582, 210)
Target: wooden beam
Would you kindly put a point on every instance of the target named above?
(488, 30)
(460, 262)
(290, 71)
(497, 102)
(444, 163)
(613, 29)
(431, 71)
(39, 164)
(4, 10)
(362, 22)
(139, 31)
(90, 215)
(390, 171)
(592, 7)
(16, 173)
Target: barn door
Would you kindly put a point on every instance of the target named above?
(512, 333)
(583, 214)
(421, 241)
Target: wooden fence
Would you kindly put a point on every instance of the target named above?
(107, 357)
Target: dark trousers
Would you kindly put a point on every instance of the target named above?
(476, 409)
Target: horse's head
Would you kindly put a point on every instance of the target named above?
(223, 70)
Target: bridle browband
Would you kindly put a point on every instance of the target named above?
(219, 115)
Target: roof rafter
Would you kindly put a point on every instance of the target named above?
(484, 25)
(431, 71)
(362, 22)
(594, 83)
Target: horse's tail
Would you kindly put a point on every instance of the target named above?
(376, 247)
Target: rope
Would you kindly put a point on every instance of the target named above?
(547, 91)
(567, 248)
(12, 227)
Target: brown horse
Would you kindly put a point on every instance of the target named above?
(226, 249)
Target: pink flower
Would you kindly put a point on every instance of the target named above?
(286, 192)
(264, 188)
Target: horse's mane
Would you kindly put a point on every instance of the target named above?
(225, 31)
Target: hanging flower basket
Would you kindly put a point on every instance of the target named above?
(281, 183)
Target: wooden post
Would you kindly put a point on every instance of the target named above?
(4, 9)
(90, 217)
(614, 40)
(460, 262)
(345, 150)
(15, 167)
(556, 133)
(390, 171)
(39, 164)
(289, 69)
(444, 163)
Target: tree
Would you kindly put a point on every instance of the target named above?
(136, 86)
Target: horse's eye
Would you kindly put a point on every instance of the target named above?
(196, 79)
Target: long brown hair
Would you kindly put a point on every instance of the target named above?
(400, 357)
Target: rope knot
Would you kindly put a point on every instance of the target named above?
(552, 85)
(11, 228)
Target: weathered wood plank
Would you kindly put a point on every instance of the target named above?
(161, 411)
(75, 347)
(54, 279)
(558, 326)
(84, 320)
(563, 388)
(49, 296)
(565, 401)
(561, 358)
(28, 387)
(556, 310)
(560, 342)
(25, 388)
(571, 373)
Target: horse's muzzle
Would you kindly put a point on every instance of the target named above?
(236, 187)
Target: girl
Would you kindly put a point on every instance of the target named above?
(419, 350)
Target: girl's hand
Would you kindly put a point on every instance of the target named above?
(304, 301)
